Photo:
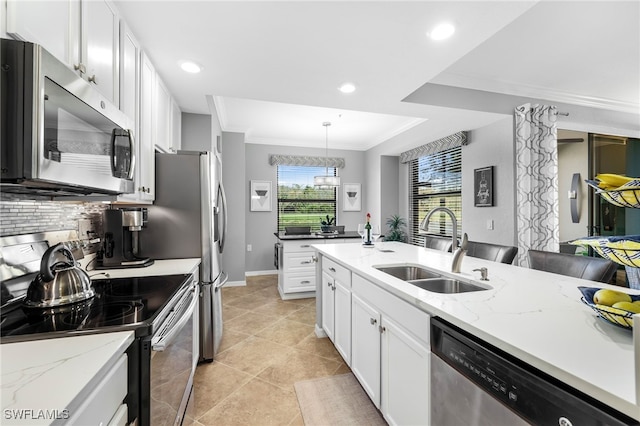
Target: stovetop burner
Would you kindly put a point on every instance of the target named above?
(120, 302)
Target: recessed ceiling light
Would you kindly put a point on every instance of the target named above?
(347, 88)
(442, 31)
(190, 67)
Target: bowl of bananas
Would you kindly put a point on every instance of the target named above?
(621, 191)
(623, 250)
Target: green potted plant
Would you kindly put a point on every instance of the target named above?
(396, 226)
(325, 225)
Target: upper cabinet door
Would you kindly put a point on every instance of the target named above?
(100, 46)
(53, 25)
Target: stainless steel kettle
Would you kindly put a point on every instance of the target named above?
(59, 283)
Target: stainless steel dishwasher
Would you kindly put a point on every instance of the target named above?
(474, 383)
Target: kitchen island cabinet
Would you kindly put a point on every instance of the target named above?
(72, 380)
(294, 258)
(535, 316)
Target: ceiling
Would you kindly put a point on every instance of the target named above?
(273, 68)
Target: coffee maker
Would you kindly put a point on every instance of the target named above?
(121, 239)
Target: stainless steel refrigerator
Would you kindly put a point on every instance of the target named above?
(188, 219)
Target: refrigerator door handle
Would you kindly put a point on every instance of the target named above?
(222, 281)
(223, 198)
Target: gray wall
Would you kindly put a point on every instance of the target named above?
(572, 158)
(260, 226)
(233, 178)
(196, 132)
(389, 194)
(492, 145)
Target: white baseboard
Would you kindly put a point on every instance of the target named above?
(255, 273)
(320, 332)
(235, 284)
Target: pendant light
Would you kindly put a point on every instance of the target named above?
(327, 181)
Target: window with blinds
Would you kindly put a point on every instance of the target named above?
(299, 203)
(435, 180)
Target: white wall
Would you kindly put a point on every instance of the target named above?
(492, 145)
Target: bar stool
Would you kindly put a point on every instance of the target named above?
(588, 268)
(493, 252)
(437, 243)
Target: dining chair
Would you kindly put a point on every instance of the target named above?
(437, 242)
(586, 267)
(493, 252)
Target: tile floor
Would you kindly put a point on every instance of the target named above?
(268, 344)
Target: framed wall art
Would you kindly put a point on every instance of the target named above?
(352, 197)
(483, 187)
(260, 196)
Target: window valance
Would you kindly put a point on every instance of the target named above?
(452, 141)
(306, 160)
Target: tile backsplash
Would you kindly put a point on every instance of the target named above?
(28, 216)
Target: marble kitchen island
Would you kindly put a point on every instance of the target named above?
(533, 315)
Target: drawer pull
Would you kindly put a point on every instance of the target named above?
(306, 262)
(305, 282)
(305, 246)
(332, 269)
(373, 321)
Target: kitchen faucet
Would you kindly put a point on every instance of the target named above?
(458, 252)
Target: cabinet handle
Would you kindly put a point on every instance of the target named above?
(305, 246)
(332, 269)
(305, 282)
(373, 321)
(381, 329)
(314, 258)
(333, 287)
(328, 284)
(306, 262)
(80, 67)
(92, 79)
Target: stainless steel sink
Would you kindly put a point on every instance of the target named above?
(409, 272)
(429, 280)
(445, 285)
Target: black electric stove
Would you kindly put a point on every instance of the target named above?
(119, 304)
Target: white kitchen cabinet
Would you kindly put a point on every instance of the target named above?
(50, 24)
(99, 57)
(163, 116)
(176, 126)
(336, 306)
(405, 363)
(130, 105)
(145, 185)
(390, 353)
(297, 271)
(82, 34)
(365, 347)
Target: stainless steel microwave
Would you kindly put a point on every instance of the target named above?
(59, 134)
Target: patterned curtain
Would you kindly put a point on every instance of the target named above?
(536, 180)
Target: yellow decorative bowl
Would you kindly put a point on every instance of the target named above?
(627, 195)
(622, 250)
(615, 316)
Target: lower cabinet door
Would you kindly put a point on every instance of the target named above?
(365, 347)
(342, 321)
(327, 305)
(405, 377)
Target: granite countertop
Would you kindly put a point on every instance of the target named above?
(316, 236)
(55, 374)
(534, 315)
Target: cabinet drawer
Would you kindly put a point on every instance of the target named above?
(337, 272)
(403, 313)
(105, 398)
(296, 261)
(299, 246)
(300, 282)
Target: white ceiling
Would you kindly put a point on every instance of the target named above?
(273, 67)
